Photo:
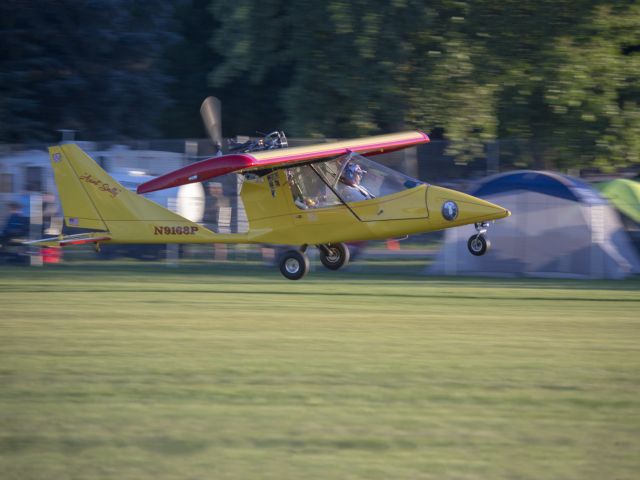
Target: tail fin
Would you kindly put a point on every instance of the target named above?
(92, 199)
(78, 207)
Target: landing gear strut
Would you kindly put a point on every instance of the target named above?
(478, 243)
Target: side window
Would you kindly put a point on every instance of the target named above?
(6, 183)
(33, 179)
(308, 190)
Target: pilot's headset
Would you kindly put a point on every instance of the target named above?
(350, 172)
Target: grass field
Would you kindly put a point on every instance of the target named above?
(138, 371)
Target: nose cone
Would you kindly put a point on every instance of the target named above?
(452, 208)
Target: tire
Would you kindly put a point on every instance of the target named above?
(478, 245)
(293, 264)
(334, 255)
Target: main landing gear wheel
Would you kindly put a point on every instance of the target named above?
(478, 245)
(294, 264)
(334, 255)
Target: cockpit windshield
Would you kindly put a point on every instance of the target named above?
(348, 178)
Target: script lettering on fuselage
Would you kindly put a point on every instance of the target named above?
(163, 230)
(102, 186)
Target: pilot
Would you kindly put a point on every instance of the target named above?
(350, 188)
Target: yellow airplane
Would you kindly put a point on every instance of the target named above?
(322, 195)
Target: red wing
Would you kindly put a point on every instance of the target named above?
(217, 166)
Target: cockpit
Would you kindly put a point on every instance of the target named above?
(344, 179)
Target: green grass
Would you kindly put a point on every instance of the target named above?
(140, 371)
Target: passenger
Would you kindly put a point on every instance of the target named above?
(299, 198)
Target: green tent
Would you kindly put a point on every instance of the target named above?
(624, 194)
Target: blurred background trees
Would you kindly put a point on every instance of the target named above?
(562, 77)
(92, 66)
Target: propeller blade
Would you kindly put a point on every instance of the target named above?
(210, 113)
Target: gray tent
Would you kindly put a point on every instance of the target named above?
(560, 227)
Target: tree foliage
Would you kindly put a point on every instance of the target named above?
(562, 77)
(88, 65)
(563, 74)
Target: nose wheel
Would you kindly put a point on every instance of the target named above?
(478, 243)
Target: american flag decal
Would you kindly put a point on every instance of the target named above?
(56, 157)
(73, 221)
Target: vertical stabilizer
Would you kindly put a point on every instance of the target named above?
(77, 204)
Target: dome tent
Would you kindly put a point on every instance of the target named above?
(624, 194)
(559, 227)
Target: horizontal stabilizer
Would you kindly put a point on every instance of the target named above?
(64, 241)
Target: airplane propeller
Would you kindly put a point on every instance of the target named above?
(211, 116)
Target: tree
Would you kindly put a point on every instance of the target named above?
(187, 63)
(567, 82)
(91, 65)
(560, 75)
